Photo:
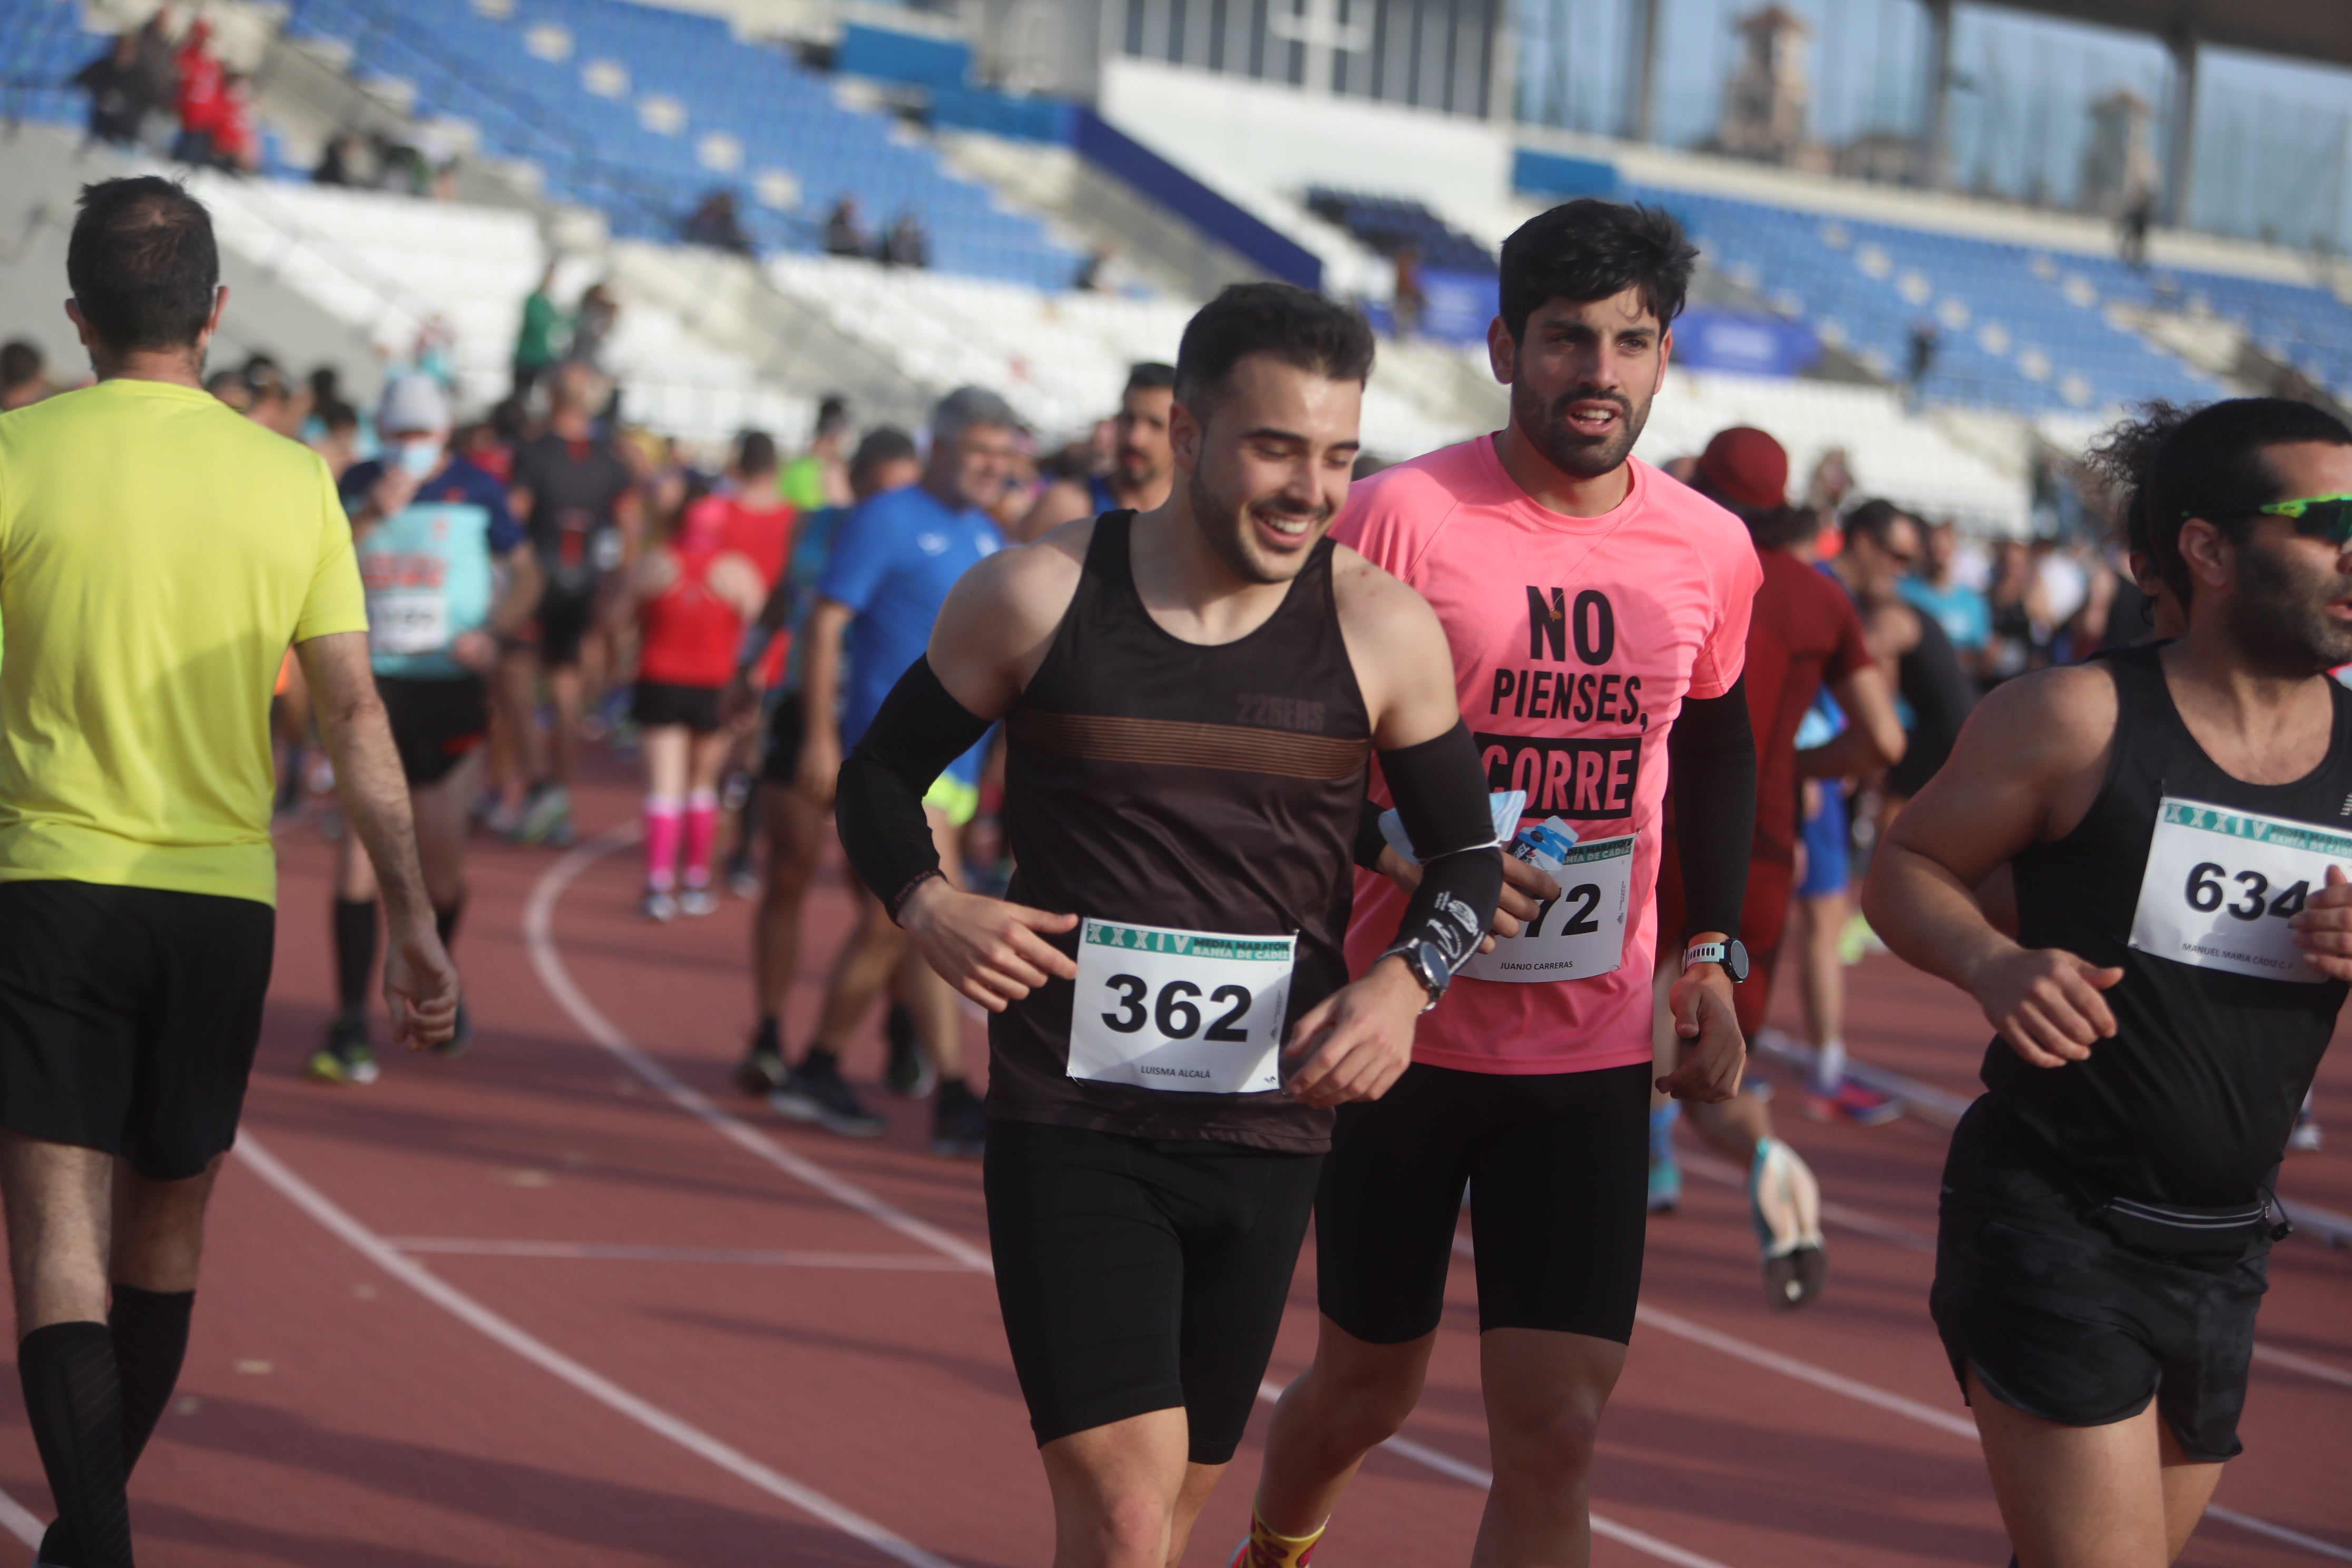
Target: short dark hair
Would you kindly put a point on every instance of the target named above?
(1874, 520)
(1150, 375)
(142, 264)
(755, 452)
(2211, 466)
(1296, 326)
(20, 361)
(883, 444)
(1592, 249)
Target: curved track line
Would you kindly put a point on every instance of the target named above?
(21, 1522)
(594, 1384)
(540, 939)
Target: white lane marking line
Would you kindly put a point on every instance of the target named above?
(467, 1247)
(1728, 1174)
(1897, 1405)
(464, 1308)
(20, 1522)
(539, 937)
(1462, 1470)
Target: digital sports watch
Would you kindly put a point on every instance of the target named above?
(1731, 954)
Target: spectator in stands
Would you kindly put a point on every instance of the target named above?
(819, 478)
(118, 92)
(1959, 608)
(1411, 301)
(1090, 271)
(906, 244)
(716, 223)
(198, 95)
(2139, 216)
(159, 66)
(23, 374)
(534, 353)
(843, 236)
(1924, 344)
(592, 320)
(344, 163)
(237, 142)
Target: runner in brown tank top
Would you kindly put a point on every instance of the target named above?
(1191, 696)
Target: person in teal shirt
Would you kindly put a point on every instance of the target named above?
(434, 536)
(1960, 610)
(542, 324)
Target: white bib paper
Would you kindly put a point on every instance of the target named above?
(407, 620)
(1194, 1011)
(1580, 934)
(2222, 884)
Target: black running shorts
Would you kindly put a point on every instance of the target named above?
(2063, 1320)
(1557, 1166)
(655, 703)
(787, 725)
(435, 724)
(562, 621)
(1138, 1276)
(129, 1018)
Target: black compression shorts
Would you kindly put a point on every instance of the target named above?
(1557, 1166)
(435, 724)
(655, 704)
(779, 759)
(2063, 1320)
(129, 1018)
(562, 621)
(1138, 1276)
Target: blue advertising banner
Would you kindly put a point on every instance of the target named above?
(1707, 338)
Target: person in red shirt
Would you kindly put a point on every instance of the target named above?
(1802, 632)
(236, 145)
(693, 597)
(199, 94)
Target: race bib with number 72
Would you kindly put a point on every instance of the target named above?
(2221, 885)
(1190, 1011)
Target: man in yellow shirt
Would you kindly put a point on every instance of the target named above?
(157, 554)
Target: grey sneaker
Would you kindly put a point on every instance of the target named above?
(814, 1092)
(546, 816)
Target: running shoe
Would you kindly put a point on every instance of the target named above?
(698, 902)
(546, 816)
(742, 876)
(658, 905)
(346, 1057)
(761, 1071)
(1857, 940)
(499, 816)
(2305, 1138)
(1852, 1103)
(814, 1092)
(959, 1125)
(1665, 1186)
(910, 1071)
(460, 1038)
(1785, 1203)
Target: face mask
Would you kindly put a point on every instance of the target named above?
(419, 459)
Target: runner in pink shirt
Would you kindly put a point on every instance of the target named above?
(1598, 616)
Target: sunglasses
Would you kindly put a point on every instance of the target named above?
(2317, 517)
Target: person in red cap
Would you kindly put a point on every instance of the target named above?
(1802, 633)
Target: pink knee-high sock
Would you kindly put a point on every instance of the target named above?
(701, 829)
(661, 841)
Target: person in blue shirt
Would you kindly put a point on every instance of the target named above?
(892, 563)
(795, 820)
(435, 537)
(1962, 611)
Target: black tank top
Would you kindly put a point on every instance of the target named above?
(1166, 784)
(2192, 1100)
(1941, 694)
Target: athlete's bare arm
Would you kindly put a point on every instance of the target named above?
(1873, 736)
(992, 634)
(820, 764)
(477, 649)
(2027, 764)
(420, 983)
(1063, 500)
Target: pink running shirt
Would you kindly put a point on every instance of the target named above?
(1575, 640)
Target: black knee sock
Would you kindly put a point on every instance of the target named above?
(73, 1398)
(445, 921)
(151, 1337)
(355, 932)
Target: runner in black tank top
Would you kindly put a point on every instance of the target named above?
(2180, 823)
(1191, 696)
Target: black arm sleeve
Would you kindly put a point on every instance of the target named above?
(1711, 757)
(1441, 796)
(878, 809)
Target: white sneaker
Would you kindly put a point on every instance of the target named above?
(1785, 1203)
(697, 901)
(658, 905)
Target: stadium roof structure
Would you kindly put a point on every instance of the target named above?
(2318, 31)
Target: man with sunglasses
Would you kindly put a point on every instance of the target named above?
(2178, 817)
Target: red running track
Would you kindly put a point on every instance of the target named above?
(572, 1301)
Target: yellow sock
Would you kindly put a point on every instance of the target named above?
(1268, 1548)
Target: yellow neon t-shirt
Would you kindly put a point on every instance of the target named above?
(158, 553)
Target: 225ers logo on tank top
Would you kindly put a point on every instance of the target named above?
(2221, 885)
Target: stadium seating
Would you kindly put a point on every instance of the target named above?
(636, 110)
(1388, 224)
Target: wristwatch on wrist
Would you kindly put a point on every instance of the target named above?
(1731, 954)
(1428, 966)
